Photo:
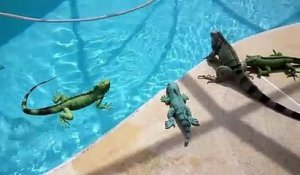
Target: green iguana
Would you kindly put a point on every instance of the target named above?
(276, 61)
(231, 69)
(65, 104)
(178, 111)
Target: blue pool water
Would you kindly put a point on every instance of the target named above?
(139, 52)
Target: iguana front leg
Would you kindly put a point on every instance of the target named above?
(223, 73)
(184, 97)
(171, 121)
(249, 76)
(192, 120)
(102, 105)
(290, 71)
(263, 72)
(212, 58)
(65, 116)
(165, 99)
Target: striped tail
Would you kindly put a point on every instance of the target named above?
(252, 90)
(185, 127)
(42, 111)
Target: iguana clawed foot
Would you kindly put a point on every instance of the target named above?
(184, 96)
(211, 78)
(169, 123)
(194, 121)
(249, 76)
(63, 122)
(105, 105)
(65, 117)
(292, 74)
(165, 99)
(59, 97)
(102, 105)
(259, 75)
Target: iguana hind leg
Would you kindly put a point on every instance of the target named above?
(223, 73)
(290, 71)
(192, 120)
(263, 72)
(65, 116)
(59, 97)
(171, 121)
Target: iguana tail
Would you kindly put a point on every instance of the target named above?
(296, 60)
(42, 111)
(252, 90)
(185, 127)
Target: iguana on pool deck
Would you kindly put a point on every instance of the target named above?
(65, 104)
(231, 68)
(178, 111)
(265, 64)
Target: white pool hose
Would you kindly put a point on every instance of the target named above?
(77, 19)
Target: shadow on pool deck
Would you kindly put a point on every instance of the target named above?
(14, 27)
(268, 147)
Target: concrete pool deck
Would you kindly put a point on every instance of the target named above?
(237, 134)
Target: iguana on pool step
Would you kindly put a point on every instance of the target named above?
(265, 64)
(178, 111)
(231, 68)
(65, 104)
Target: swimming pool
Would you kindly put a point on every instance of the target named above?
(139, 52)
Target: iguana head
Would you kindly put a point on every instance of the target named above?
(102, 87)
(172, 89)
(251, 60)
(217, 39)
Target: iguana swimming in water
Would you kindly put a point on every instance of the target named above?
(65, 104)
(178, 111)
(277, 61)
(231, 68)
